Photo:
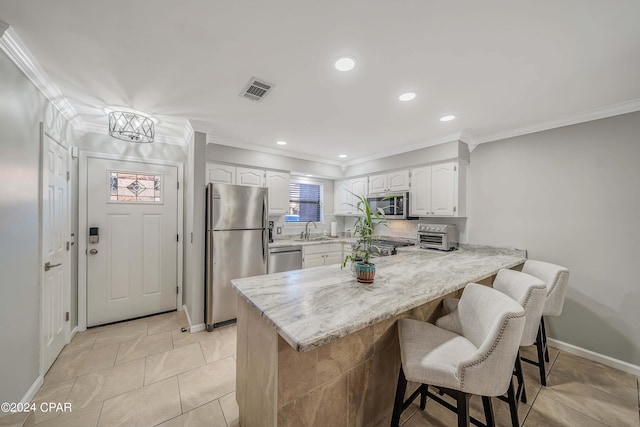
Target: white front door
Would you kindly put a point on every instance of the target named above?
(132, 246)
(55, 220)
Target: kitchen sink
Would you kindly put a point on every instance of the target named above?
(314, 239)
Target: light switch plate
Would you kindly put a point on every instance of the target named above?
(278, 230)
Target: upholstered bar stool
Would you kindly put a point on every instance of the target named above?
(479, 361)
(526, 290)
(556, 278)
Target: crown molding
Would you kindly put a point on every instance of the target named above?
(585, 116)
(213, 139)
(3, 27)
(11, 44)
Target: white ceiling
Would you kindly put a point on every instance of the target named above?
(502, 67)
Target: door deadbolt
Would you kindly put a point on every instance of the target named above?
(93, 251)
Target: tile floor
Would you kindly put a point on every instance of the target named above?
(148, 373)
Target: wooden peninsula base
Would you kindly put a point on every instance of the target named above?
(348, 382)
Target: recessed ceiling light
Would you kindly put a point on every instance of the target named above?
(308, 175)
(447, 118)
(281, 142)
(407, 96)
(345, 64)
(342, 156)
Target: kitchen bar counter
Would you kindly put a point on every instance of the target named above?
(314, 306)
(317, 348)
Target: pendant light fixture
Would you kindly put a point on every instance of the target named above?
(131, 127)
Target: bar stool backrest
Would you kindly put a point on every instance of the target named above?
(557, 279)
(493, 322)
(528, 291)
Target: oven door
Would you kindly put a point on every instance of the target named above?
(433, 240)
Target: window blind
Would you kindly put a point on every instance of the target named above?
(305, 202)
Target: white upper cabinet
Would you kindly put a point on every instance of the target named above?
(221, 174)
(358, 186)
(377, 183)
(250, 177)
(341, 197)
(398, 181)
(278, 189)
(395, 181)
(439, 190)
(343, 200)
(443, 189)
(420, 197)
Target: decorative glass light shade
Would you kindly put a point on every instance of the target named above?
(130, 127)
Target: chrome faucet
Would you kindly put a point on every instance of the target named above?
(306, 229)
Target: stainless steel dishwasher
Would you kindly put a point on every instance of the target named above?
(285, 258)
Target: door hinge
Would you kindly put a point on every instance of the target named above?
(177, 290)
(68, 245)
(68, 175)
(455, 168)
(177, 237)
(66, 316)
(454, 208)
(178, 185)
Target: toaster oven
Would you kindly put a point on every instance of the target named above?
(443, 237)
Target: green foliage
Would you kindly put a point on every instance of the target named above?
(364, 230)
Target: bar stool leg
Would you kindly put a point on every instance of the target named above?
(521, 393)
(488, 411)
(463, 409)
(544, 336)
(541, 358)
(397, 405)
(423, 396)
(513, 405)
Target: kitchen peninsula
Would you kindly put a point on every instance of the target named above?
(315, 347)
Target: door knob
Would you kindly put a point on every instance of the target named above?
(48, 266)
(93, 251)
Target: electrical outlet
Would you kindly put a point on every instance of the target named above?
(279, 230)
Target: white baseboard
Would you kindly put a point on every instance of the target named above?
(73, 333)
(596, 357)
(196, 328)
(28, 397)
(186, 313)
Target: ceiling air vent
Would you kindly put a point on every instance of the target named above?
(256, 89)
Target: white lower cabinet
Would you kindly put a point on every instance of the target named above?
(323, 254)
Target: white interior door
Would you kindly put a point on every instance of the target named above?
(132, 268)
(56, 276)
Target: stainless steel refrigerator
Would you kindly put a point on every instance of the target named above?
(237, 246)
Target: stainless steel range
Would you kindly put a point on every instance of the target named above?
(387, 247)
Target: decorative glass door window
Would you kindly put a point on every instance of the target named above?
(134, 187)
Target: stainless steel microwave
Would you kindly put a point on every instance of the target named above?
(394, 205)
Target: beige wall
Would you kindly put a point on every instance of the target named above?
(570, 196)
(22, 108)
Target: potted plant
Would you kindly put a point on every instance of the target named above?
(364, 231)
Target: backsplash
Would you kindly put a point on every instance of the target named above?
(292, 228)
(409, 229)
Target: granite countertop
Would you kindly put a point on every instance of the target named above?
(292, 242)
(315, 306)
